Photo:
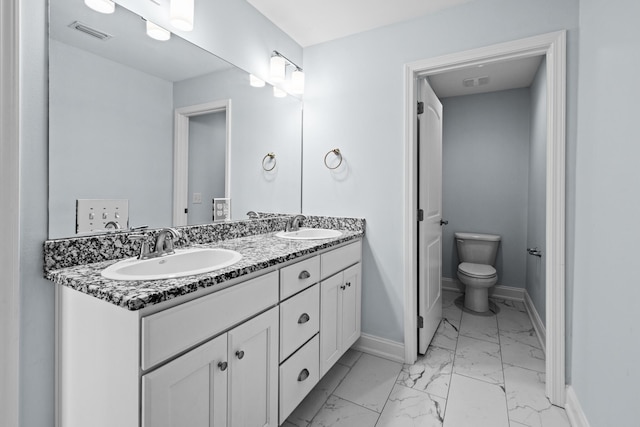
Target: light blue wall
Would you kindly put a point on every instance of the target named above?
(207, 163)
(113, 114)
(485, 159)
(537, 202)
(249, 43)
(606, 338)
(354, 100)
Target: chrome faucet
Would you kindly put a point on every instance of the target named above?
(294, 223)
(253, 215)
(163, 245)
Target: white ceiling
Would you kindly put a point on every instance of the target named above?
(310, 22)
(514, 74)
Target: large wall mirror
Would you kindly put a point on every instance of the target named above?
(164, 124)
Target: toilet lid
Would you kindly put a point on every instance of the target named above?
(477, 270)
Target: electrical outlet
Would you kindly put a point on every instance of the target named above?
(101, 214)
(221, 209)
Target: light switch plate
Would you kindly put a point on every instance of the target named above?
(221, 209)
(95, 214)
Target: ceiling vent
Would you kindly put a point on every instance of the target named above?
(90, 31)
(475, 81)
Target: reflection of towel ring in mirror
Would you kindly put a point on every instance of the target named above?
(337, 152)
(271, 157)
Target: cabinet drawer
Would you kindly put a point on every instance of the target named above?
(299, 276)
(299, 320)
(172, 331)
(298, 376)
(341, 258)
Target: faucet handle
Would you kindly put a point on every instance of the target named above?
(144, 246)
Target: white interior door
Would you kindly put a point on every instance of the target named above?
(430, 205)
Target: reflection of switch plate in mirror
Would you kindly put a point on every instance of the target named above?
(197, 198)
(95, 214)
(221, 209)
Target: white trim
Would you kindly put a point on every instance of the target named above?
(576, 415)
(553, 45)
(181, 153)
(536, 320)
(381, 347)
(10, 212)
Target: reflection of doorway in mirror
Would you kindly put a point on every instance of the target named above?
(206, 170)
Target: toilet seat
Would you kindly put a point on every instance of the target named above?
(478, 271)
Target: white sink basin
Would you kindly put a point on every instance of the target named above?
(309, 234)
(185, 262)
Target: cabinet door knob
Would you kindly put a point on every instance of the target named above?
(239, 354)
(349, 284)
(222, 366)
(304, 318)
(304, 274)
(304, 374)
(343, 287)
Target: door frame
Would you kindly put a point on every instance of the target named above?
(181, 153)
(553, 46)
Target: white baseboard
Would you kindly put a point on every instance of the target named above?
(381, 347)
(538, 326)
(576, 415)
(498, 291)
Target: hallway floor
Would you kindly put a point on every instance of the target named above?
(479, 371)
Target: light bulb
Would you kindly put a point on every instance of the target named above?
(181, 14)
(102, 6)
(279, 93)
(297, 82)
(278, 71)
(255, 82)
(156, 32)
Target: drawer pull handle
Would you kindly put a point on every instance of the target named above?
(239, 354)
(304, 318)
(304, 274)
(222, 366)
(304, 374)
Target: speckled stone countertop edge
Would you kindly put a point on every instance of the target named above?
(259, 252)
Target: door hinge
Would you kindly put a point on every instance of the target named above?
(420, 107)
(420, 322)
(420, 215)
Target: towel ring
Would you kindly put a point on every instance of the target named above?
(337, 152)
(270, 156)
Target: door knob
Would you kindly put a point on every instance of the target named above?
(222, 366)
(443, 222)
(304, 318)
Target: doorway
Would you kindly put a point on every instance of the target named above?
(553, 47)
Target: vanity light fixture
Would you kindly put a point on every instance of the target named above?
(102, 6)
(157, 32)
(278, 73)
(181, 14)
(279, 93)
(255, 82)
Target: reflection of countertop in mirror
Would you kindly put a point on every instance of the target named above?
(260, 254)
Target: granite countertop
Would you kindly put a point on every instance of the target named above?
(258, 252)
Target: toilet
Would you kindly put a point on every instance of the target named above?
(477, 254)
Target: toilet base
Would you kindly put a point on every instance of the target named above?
(476, 299)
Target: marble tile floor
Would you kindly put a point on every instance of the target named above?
(479, 371)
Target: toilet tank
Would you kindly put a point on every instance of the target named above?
(477, 248)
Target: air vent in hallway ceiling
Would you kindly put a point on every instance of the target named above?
(475, 81)
(77, 25)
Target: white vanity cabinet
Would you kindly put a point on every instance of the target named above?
(237, 370)
(243, 356)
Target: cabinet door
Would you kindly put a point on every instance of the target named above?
(253, 372)
(189, 391)
(330, 321)
(351, 306)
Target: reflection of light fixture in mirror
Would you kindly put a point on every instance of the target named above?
(181, 14)
(102, 6)
(297, 81)
(279, 93)
(255, 82)
(278, 69)
(157, 32)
